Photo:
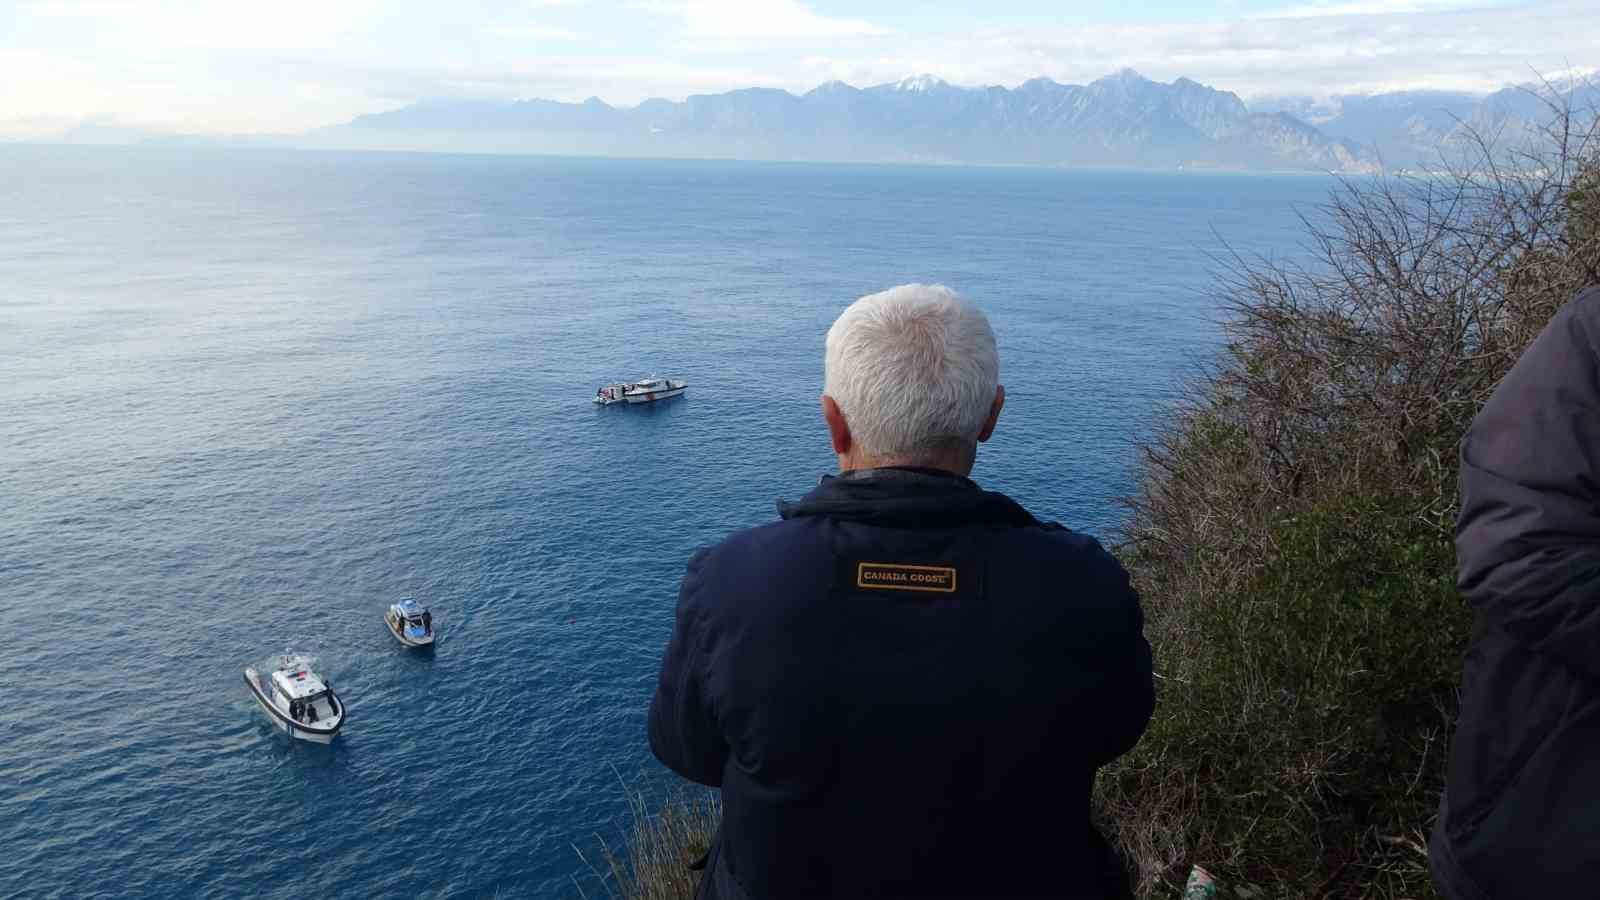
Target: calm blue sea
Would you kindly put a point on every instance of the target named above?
(249, 398)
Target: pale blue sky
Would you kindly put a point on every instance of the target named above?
(225, 66)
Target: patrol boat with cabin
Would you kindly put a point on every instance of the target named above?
(645, 390)
(297, 700)
(410, 622)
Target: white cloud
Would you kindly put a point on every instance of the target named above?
(535, 32)
(737, 19)
(77, 9)
(210, 65)
(1479, 49)
(1322, 8)
(35, 128)
(164, 94)
(151, 25)
(60, 86)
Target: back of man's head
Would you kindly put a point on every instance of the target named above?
(914, 370)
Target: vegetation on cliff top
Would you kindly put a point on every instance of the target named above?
(659, 848)
(1293, 534)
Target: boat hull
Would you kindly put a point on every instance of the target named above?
(653, 396)
(300, 731)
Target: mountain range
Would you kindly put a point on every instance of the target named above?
(1410, 129)
(1121, 120)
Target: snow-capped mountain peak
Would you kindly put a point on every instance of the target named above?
(919, 83)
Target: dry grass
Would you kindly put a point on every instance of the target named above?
(653, 863)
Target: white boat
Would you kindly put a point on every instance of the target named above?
(410, 622)
(297, 700)
(645, 390)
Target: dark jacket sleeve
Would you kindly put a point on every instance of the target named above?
(1528, 540)
(1129, 667)
(683, 726)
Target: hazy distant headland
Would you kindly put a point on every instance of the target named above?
(1121, 120)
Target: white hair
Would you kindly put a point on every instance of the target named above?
(914, 370)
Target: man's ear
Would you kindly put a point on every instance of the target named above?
(838, 428)
(994, 413)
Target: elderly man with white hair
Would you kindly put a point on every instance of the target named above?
(904, 688)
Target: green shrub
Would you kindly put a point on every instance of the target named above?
(1302, 714)
(1292, 535)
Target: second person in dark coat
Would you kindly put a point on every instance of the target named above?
(1520, 817)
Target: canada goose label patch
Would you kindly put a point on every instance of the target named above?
(900, 577)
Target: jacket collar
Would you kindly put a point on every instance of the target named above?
(906, 497)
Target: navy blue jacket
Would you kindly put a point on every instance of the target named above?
(1520, 816)
(904, 689)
